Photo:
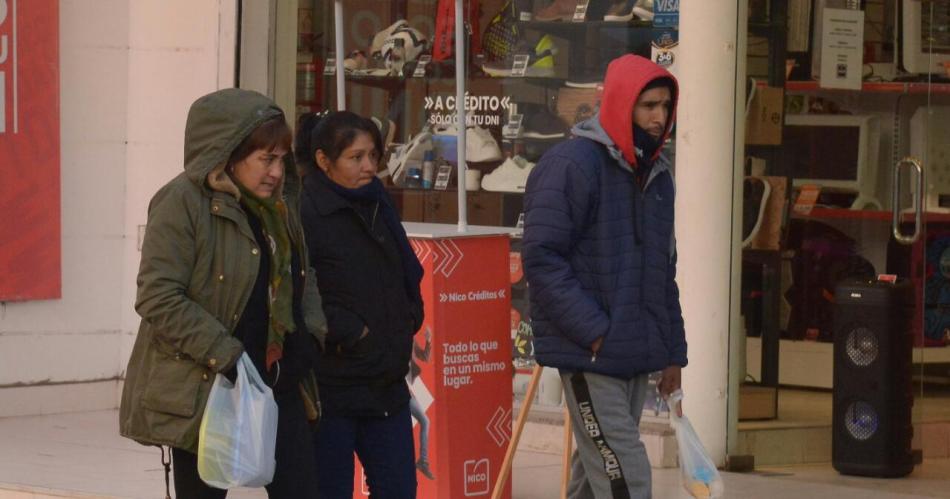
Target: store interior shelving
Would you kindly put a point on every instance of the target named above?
(939, 86)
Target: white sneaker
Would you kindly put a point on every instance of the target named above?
(643, 10)
(480, 146)
(380, 38)
(510, 176)
(413, 151)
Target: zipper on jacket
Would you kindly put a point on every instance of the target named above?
(368, 225)
(637, 213)
(641, 205)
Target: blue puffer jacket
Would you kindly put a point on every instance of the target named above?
(599, 252)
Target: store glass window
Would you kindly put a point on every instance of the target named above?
(844, 278)
(533, 70)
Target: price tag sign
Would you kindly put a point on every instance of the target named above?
(330, 68)
(525, 16)
(420, 71)
(512, 129)
(443, 177)
(520, 65)
(580, 12)
(807, 198)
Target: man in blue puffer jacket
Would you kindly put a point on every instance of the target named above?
(600, 258)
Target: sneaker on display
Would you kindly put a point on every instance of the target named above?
(480, 146)
(544, 125)
(411, 152)
(559, 10)
(510, 176)
(586, 81)
(643, 10)
(575, 105)
(379, 39)
(355, 62)
(387, 129)
(375, 72)
(620, 11)
(403, 45)
(540, 61)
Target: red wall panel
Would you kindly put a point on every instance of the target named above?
(29, 150)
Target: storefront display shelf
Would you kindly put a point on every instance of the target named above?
(885, 87)
(571, 28)
(878, 215)
(384, 82)
(389, 82)
(810, 363)
(538, 140)
(545, 81)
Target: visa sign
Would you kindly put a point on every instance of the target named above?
(7, 48)
(666, 13)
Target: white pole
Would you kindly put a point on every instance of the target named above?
(340, 76)
(460, 112)
(707, 241)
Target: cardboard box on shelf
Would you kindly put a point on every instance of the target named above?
(765, 116)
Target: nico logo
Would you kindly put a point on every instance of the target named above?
(476, 477)
(7, 51)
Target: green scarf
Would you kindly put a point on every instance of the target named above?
(280, 290)
(272, 212)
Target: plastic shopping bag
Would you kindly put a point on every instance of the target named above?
(700, 476)
(238, 431)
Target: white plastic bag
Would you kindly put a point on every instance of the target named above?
(700, 476)
(238, 431)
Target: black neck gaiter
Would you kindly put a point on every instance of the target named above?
(645, 146)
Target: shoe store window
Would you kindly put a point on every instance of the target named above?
(849, 101)
(533, 70)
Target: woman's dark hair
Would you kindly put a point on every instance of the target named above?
(303, 154)
(336, 131)
(271, 134)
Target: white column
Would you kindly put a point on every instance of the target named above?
(460, 40)
(338, 37)
(707, 169)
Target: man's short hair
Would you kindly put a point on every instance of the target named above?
(659, 82)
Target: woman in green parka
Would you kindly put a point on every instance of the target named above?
(222, 272)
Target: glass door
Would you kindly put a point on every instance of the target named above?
(846, 219)
(926, 52)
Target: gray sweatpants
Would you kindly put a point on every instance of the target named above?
(610, 461)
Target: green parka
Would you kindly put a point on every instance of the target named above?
(198, 267)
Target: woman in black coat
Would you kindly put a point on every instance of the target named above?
(369, 279)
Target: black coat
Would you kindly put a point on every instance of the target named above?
(300, 350)
(360, 276)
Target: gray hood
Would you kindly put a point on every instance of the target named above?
(592, 129)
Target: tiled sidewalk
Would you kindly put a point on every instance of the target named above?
(81, 455)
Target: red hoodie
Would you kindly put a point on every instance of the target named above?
(626, 78)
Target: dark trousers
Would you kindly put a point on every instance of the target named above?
(384, 446)
(294, 477)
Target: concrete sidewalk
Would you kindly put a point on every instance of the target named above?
(82, 455)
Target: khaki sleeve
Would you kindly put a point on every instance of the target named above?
(168, 262)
